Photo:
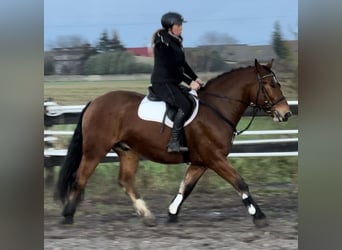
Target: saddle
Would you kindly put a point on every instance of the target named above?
(152, 108)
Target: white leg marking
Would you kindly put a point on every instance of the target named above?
(141, 208)
(181, 187)
(251, 209)
(175, 204)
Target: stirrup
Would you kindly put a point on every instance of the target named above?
(177, 149)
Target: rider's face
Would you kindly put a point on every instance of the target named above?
(176, 29)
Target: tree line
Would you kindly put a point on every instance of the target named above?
(109, 56)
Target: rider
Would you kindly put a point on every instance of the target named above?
(170, 69)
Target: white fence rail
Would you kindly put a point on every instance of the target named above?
(56, 114)
(241, 148)
(53, 109)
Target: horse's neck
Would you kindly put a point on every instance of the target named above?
(229, 94)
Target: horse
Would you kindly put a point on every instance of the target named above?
(110, 122)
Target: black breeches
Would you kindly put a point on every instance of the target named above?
(173, 95)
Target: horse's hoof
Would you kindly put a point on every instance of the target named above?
(149, 221)
(68, 220)
(260, 222)
(173, 218)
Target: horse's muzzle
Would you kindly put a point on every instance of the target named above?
(288, 115)
(279, 117)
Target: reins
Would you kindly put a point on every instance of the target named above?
(226, 97)
(218, 113)
(255, 107)
(225, 119)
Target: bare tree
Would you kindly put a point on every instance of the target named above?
(69, 41)
(216, 38)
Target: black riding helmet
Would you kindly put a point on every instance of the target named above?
(170, 19)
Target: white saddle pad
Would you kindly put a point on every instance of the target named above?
(154, 111)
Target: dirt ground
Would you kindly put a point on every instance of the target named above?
(206, 221)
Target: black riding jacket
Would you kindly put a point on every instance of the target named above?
(170, 65)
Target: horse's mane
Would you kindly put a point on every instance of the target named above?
(227, 73)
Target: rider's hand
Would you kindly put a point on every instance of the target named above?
(195, 85)
(200, 82)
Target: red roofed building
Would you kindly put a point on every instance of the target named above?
(142, 51)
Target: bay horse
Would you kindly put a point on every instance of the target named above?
(110, 122)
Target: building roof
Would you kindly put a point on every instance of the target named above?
(141, 51)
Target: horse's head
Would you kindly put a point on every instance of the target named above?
(269, 95)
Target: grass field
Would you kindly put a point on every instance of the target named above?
(77, 90)
(259, 170)
(77, 93)
(80, 92)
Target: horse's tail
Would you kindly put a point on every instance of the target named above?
(72, 161)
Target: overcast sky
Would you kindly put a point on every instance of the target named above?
(247, 21)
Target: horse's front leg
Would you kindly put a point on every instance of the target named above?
(224, 169)
(191, 177)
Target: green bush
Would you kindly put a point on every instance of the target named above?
(117, 62)
(49, 65)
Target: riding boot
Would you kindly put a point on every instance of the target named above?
(174, 143)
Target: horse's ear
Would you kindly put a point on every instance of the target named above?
(257, 65)
(269, 65)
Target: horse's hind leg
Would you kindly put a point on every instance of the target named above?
(191, 177)
(85, 170)
(128, 167)
(224, 169)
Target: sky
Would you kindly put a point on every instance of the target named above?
(247, 21)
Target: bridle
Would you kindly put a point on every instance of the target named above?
(266, 106)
